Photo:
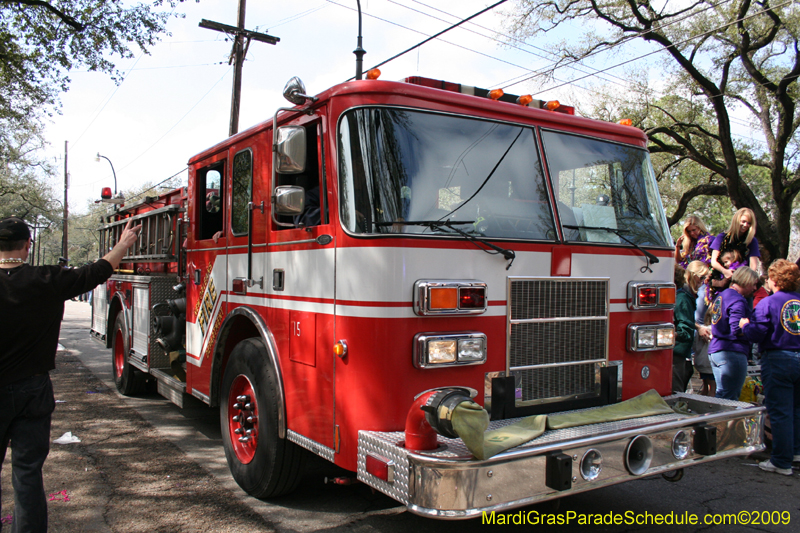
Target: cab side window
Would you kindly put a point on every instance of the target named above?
(211, 200)
(315, 210)
(242, 189)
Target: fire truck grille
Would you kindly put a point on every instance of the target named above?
(558, 337)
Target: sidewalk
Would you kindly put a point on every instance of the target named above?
(121, 476)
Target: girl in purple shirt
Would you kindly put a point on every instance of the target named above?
(728, 348)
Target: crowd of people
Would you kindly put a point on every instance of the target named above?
(727, 315)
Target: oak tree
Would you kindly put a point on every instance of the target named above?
(720, 58)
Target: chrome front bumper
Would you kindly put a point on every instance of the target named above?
(449, 483)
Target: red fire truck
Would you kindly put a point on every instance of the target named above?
(340, 278)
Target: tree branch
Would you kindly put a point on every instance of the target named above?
(686, 147)
(704, 189)
(70, 21)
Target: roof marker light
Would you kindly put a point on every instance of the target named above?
(525, 99)
(373, 74)
(552, 105)
(496, 94)
(625, 122)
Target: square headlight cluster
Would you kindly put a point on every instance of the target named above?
(649, 337)
(449, 297)
(644, 295)
(434, 350)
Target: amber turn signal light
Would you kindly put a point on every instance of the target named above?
(444, 298)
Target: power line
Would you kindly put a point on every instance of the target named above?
(179, 120)
(184, 169)
(733, 119)
(512, 45)
(684, 41)
(436, 35)
(108, 99)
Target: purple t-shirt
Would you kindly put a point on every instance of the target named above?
(726, 311)
(775, 324)
(752, 250)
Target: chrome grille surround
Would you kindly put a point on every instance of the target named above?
(557, 337)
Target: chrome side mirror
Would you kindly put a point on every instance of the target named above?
(290, 148)
(288, 200)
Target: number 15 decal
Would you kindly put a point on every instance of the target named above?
(302, 337)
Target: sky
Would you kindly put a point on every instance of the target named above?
(175, 101)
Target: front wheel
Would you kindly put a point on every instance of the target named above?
(126, 378)
(263, 464)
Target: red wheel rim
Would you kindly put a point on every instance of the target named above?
(243, 419)
(119, 354)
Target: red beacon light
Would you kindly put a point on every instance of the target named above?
(105, 193)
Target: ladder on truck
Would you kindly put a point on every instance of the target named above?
(159, 240)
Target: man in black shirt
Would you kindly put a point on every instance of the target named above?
(31, 309)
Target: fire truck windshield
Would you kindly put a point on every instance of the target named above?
(605, 190)
(400, 165)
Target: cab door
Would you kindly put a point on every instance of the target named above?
(206, 266)
(300, 271)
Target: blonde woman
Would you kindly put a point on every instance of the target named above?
(741, 236)
(694, 243)
(685, 306)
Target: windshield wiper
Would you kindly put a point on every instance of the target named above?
(651, 259)
(449, 224)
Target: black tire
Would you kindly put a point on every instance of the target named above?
(264, 465)
(128, 380)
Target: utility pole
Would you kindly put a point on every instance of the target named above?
(64, 237)
(241, 43)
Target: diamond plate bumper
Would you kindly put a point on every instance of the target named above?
(449, 483)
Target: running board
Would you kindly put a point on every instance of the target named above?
(169, 387)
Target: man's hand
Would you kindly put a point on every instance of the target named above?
(126, 240)
(129, 235)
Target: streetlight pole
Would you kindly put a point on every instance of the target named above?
(112, 169)
(359, 51)
(65, 227)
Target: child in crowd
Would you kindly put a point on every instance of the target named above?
(762, 291)
(731, 260)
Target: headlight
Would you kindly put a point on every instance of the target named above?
(647, 337)
(432, 350)
(665, 337)
(441, 351)
(472, 349)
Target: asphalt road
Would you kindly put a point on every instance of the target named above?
(711, 492)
